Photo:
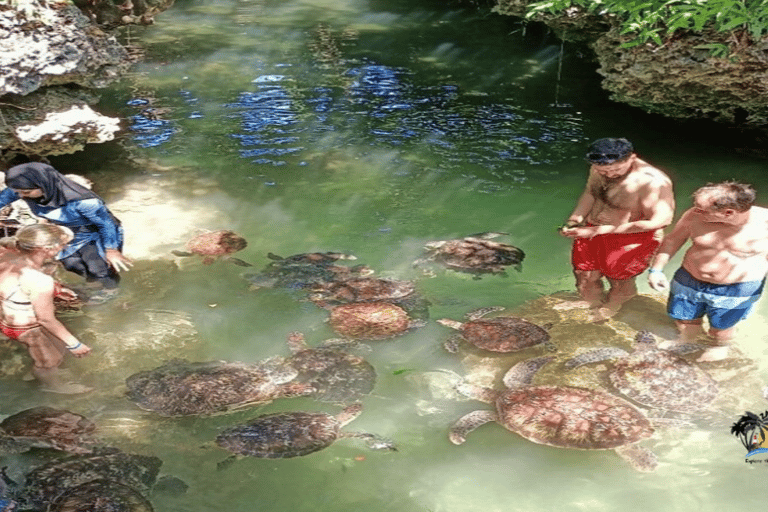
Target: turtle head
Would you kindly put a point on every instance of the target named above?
(645, 338)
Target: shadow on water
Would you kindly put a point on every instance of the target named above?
(371, 129)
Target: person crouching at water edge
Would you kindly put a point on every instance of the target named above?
(95, 252)
(26, 305)
(723, 271)
(616, 225)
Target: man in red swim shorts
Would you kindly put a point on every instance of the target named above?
(616, 225)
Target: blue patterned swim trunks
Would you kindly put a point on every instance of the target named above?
(724, 304)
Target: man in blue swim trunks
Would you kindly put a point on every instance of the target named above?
(723, 271)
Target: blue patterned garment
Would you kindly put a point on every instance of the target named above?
(89, 219)
(724, 304)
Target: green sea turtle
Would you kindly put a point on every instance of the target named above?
(654, 377)
(216, 245)
(46, 427)
(117, 480)
(560, 416)
(475, 254)
(182, 388)
(372, 289)
(292, 434)
(499, 334)
(335, 375)
(371, 320)
(305, 270)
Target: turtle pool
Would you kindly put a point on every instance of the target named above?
(370, 128)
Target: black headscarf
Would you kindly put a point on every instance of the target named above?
(57, 190)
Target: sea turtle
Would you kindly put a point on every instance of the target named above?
(560, 416)
(475, 254)
(46, 427)
(335, 375)
(372, 289)
(215, 245)
(499, 334)
(305, 270)
(292, 434)
(74, 479)
(654, 377)
(371, 320)
(182, 388)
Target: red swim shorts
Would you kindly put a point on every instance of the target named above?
(615, 255)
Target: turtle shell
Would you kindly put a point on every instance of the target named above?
(181, 388)
(503, 334)
(369, 320)
(101, 496)
(364, 289)
(571, 417)
(473, 254)
(217, 243)
(336, 376)
(281, 435)
(661, 379)
(61, 429)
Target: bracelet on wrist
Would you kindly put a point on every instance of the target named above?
(654, 271)
(74, 347)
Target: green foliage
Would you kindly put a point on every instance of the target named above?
(654, 20)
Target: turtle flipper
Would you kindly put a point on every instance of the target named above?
(452, 344)
(239, 262)
(641, 459)
(224, 464)
(468, 423)
(522, 373)
(594, 356)
(182, 253)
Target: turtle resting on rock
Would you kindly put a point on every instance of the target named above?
(46, 427)
(475, 254)
(335, 375)
(654, 377)
(292, 434)
(371, 320)
(560, 416)
(181, 388)
(499, 334)
(216, 245)
(306, 270)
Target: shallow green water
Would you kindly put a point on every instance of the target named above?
(372, 128)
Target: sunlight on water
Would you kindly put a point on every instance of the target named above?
(372, 128)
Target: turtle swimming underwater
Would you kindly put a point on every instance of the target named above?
(654, 377)
(560, 416)
(292, 434)
(335, 375)
(75, 479)
(475, 254)
(499, 334)
(305, 270)
(371, 320)
(372, 289)
(181, 388)
(46, 427)
(216, 245)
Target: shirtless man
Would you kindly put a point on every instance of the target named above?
(616, 225)
(723, 271)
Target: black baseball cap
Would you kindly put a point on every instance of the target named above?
(609, 150)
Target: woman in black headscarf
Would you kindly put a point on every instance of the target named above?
(96, 251)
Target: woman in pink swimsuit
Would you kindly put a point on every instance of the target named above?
(26, 305)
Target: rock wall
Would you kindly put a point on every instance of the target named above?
(679, 79)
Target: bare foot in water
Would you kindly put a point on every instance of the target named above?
(717, 353)
(573, 304)
(598, 315)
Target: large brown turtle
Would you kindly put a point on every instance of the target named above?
(372, 289)
(305, 270)
(371, 320)
(182, 388)
(292, 434)
(46, 427)
(475, 254)
(499, 334)
(560, 416)
(216, 245)
(335, 375)
(657, 378)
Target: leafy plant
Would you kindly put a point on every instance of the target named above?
(655, 20)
